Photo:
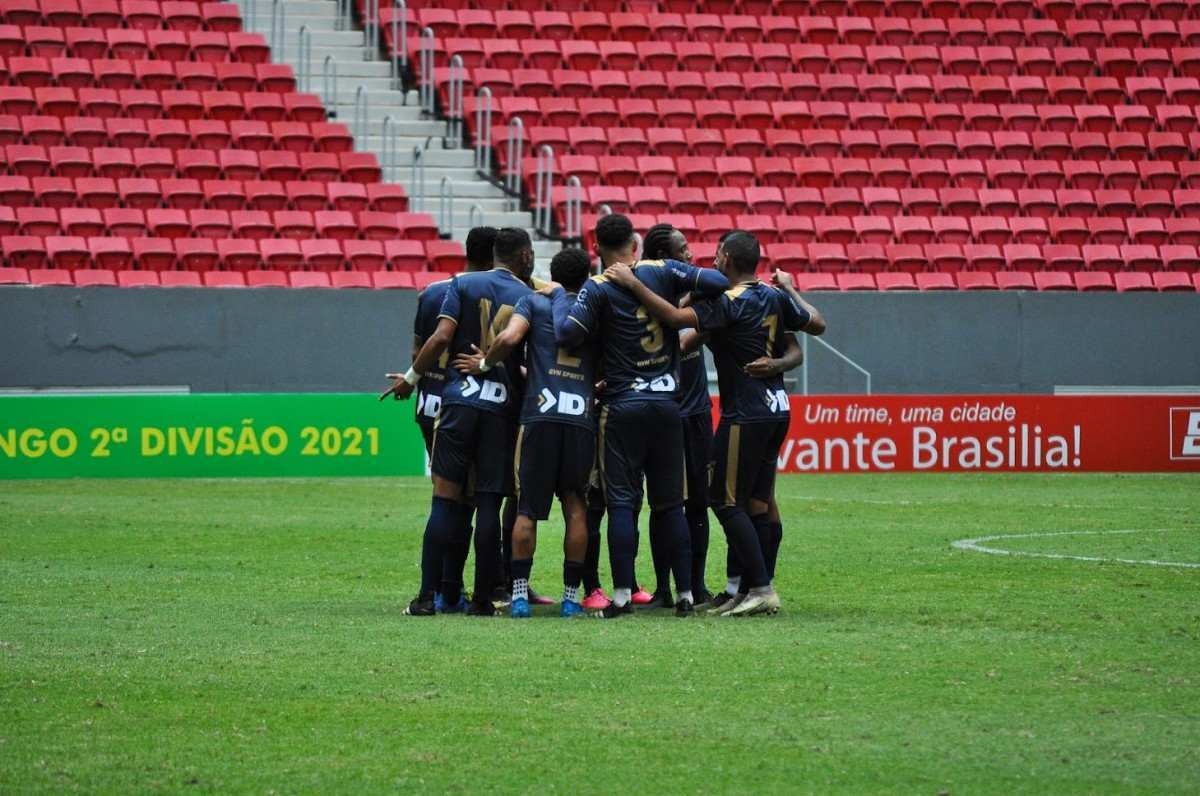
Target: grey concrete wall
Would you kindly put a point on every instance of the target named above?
(329, 340)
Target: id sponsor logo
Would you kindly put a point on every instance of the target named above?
(1185, 433)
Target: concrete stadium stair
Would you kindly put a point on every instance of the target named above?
(361, 65)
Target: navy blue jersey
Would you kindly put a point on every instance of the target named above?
(639, 358)
(693, 385)
(429, 388)
(746, 323)
(559, 381)
(481, 303)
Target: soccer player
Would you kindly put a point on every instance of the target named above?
(476, 429)
(744, 324)
(480, 242)
(640, 430)
(556, 442)
(662, 242)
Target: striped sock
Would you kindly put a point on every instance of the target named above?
(571, 594)
(520, 589)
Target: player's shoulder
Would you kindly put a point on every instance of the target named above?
(434, 288)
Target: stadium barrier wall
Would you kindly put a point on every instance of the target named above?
(271, 340)
(992, 433)
(212, 436)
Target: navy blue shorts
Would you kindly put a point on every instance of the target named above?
(427, 427)
(552, 459)
(642, 439)
(745, 459)
(474, 449)
(697, 456)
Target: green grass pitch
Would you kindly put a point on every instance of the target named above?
(246, 636)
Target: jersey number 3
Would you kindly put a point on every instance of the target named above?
(652, 343)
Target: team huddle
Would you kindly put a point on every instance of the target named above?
(594, 389)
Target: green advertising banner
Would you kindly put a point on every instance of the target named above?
(211, 436)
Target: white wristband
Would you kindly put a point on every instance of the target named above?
(412, 377)
(484, 367)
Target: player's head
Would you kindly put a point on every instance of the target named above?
(480, 243)
(738, 254)
(514, 250)
(663, 242)
(570, 268)
(615, 241)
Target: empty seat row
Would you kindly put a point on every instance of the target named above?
(137, 14)
(167, 45)
(1056, 230)
(770, 201)
(231, 254)
(922, 230)
(1105, 92)
(267, 106)
(745, 172)
(88, 131)
(794, 140)
(100, 277)
(188, 193)
(851, 59)
(1004, 280)
(202, 164)
(787, 29)
(117, 73)
(206, 223)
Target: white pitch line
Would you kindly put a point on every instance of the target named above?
(976, 546)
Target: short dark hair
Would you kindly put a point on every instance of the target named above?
(570, 268)
(725, 236)
(657, 243)
(510, 241)
(743, 251)
(614, 232)
(480, 242)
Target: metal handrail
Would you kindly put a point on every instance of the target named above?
(804, 338)
(428, 85)
(278, 27)
(516, 151)
(455, 112)
(329, 81)
(343, 15)
(304, 58)
(388, 149)
(574, 208)
(399, 54)
(360, 114)
(370, 29)
(417, 200)
(446, 205)
(476, 218)
(483, 132)
(544, 190)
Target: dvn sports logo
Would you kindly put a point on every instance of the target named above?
(1185, 433)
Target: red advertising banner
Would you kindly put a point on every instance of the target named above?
(992, 433)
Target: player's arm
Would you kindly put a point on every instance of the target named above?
(706, 282)
(574, 321)
(663, 311)
(477, 362)
(768, 367)
(692, 341)
(432, 350)
(800, 316)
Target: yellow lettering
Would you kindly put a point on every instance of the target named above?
(33, 443)
(153, 442)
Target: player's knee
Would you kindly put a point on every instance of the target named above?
(758, 507)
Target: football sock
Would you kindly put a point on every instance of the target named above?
(660, 546)
(591, 560)
(456, 559)
(487, 543)
(697, 519)
(762, 529)
(679, 544)
(686, 595)
(521, 568)
(771, 550)
(622, 541)
(621, 597)
(732, 585)
(741, 535)
(507, 521)
(444, 514)
(572, 575)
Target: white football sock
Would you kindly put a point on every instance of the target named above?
(732, 585)
(622, 596)
(571, 593)
(686, 595)
(520, 589)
